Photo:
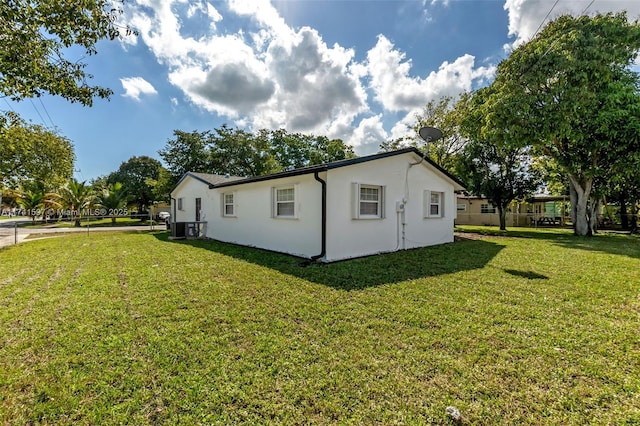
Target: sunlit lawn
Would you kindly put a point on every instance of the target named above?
(130, 328)
(90, 222)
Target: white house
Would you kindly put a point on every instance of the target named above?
(344, 209)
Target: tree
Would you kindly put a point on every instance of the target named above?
(35, 201)
(31, 153)
(295, 150)
(445, 115)
(112, 198)
(77, 196)
(240, 153)
(569, 94)
(136, 176)
(498, 168)
(187, 152)
(35, 38)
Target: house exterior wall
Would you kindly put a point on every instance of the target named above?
(253, 223)
(470, 213)
(189, 189)
(519, 213)
(348, 237)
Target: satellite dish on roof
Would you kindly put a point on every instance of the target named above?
(430, 134)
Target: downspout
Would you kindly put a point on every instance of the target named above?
(173, 217)
(323, 252)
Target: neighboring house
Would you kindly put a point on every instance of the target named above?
(345, 209)
(539, 210)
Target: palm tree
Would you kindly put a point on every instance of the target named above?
(77, 196)
(112, 198)
(35, 201)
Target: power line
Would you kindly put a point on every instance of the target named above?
(545, 18)
(38, 112)
(47, 112)
(554, 42)
(8, 104)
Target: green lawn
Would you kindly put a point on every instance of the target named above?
(130, 328)
(91, 223)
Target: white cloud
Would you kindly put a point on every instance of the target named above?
(396, 90)
(265, 75)
(261, 73)
(366, 138)
(136, 86)
(525, 16)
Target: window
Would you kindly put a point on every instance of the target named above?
(368, 201)
(180, 204)
(433, 204)
(228, 204)
(284, 202)
(487, 208)
(461, 207)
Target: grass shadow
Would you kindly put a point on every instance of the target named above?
(530, 275)
(622, 244)
(364, 272)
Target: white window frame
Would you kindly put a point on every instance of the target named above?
(226, 204)
(461, 207)
(487, 208)
(357, 201)
(274, 204)
(428, 204)
(180, 204)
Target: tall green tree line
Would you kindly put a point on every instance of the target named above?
(237, 152)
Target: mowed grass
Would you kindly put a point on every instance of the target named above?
(130, 328)
(91, 222)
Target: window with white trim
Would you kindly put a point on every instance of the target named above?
(433, 204)
(284, 202)
(228, 204)
(180, 204)
(368, 201)
(461, 207)
(487, 208)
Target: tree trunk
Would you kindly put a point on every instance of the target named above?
(581, 222)
(624, 219)
(593, 216)
(573, 200)
(502, 214)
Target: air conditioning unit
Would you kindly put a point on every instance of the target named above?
(178, 229)
(192, 230)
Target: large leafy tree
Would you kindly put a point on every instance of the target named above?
(237, 152)
(31, 153)
(137, 176)
(240, 153)
(295, 150)
(446, 115)
(570, 94)
(36, 37)
(186, 152)
(495, 166)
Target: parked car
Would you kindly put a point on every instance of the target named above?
(164, 216)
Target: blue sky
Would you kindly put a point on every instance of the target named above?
(358, 70)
